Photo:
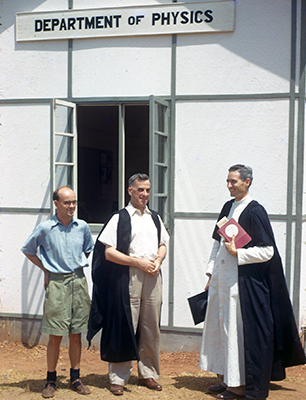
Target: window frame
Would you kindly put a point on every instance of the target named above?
(70, 131)
(155, 166)
(157, 146)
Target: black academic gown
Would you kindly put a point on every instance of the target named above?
(110, 308)
(271, 340)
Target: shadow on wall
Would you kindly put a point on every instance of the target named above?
(33, 293)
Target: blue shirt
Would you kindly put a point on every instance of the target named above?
(62, 250)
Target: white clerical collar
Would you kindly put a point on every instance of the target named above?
(245, 200)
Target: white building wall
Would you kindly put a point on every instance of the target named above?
(137, 66)
(25, 183)
(31, 70)
(191, 259)
(21, 282)
(252, 60)
(210, 135)
(255, 58)
(227, 133)
(254, 132)
(128, 66)
(25, 155)
(193, 244)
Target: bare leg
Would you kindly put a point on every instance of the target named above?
(75, 349)
(53, 350)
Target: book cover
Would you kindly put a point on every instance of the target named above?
(198, 305)
(232, 227)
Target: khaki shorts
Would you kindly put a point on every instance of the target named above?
(67, 304)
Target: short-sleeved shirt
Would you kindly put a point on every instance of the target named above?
(62, 250)
(144, 240)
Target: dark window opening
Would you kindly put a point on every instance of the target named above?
(98, 160)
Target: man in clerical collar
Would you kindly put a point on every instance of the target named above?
(249, 334)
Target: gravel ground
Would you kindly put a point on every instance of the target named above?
(23, 372)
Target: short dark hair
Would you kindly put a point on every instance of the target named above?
(55, 195)
(244, 171)
(141, 177)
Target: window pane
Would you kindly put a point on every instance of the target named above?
(63, 149)
(160, 176)
(160, 143)
(160, 117)
(162, 208)
(136, 141)
(97, 162)
(63, 119)
(63, 176)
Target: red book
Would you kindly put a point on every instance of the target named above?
(231, 228)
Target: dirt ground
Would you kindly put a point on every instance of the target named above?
(23, 372)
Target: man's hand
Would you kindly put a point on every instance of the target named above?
(231, 247)
(47, 279)
(147, 265)
(157, 265)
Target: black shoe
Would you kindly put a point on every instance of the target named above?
(214, 389)
(227, 395)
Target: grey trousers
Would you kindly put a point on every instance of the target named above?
(145, 298)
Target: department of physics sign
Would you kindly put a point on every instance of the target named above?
(127, 21)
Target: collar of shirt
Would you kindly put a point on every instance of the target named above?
(55, 221)
(132, 210)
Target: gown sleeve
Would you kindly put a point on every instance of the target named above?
(212, 258)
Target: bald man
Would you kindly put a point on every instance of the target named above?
(65, 244)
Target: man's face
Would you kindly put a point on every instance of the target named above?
(237, 187)
(66, 203)
(140, 193)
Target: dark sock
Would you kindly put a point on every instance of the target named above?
(51, 376)
(74, 374)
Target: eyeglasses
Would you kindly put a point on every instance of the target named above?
(68, 202)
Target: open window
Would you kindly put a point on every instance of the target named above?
(159, 156)
(64, 146)
(114, 141)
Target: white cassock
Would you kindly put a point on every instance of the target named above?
(222, 349)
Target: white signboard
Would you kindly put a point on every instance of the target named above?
(127, 21)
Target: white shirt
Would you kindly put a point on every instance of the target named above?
(144, 240)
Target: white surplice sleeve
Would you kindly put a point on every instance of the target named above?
(254, 255)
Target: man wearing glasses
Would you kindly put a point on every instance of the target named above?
(65, 244)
